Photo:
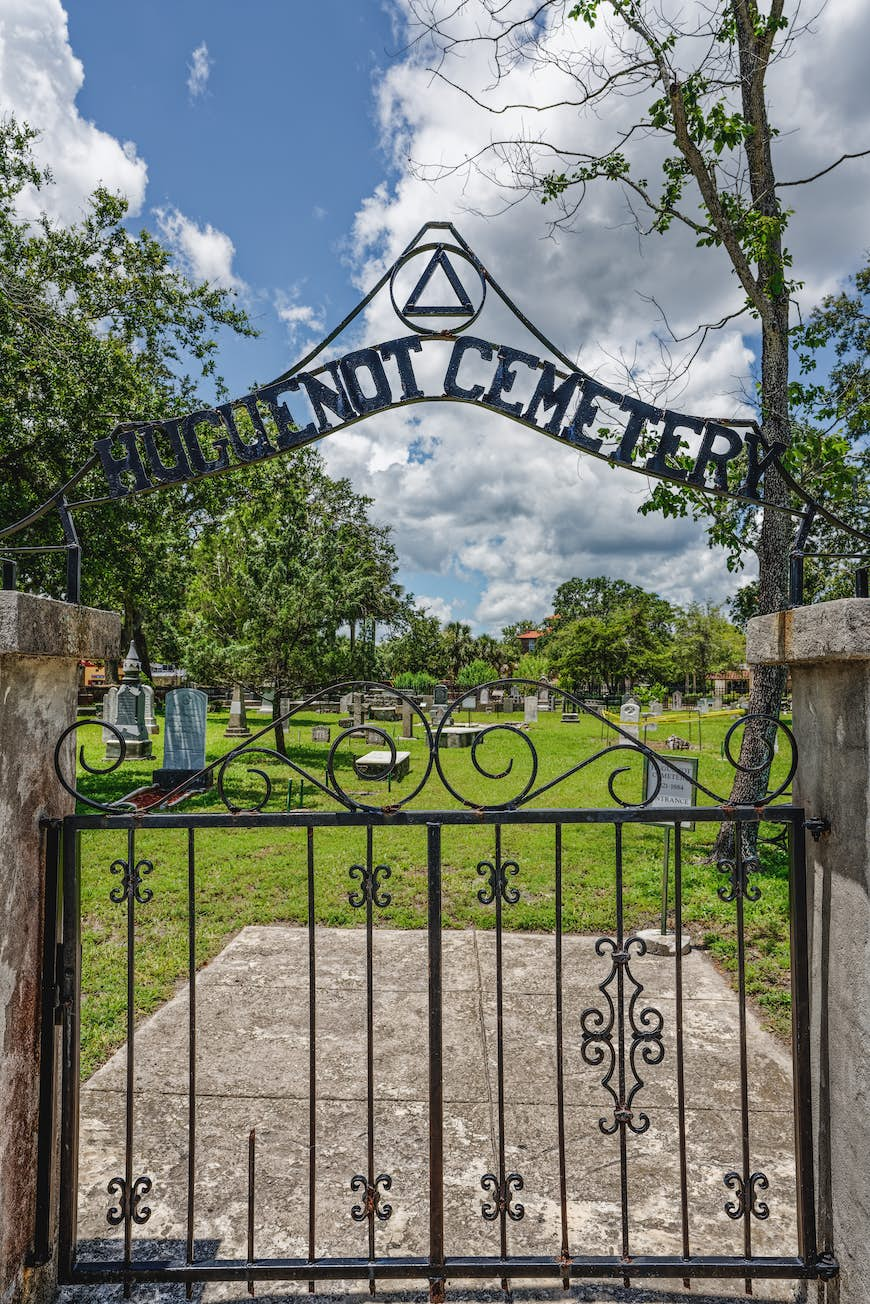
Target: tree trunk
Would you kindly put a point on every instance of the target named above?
(280, 744)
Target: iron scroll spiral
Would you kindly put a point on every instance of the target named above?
(111, 808)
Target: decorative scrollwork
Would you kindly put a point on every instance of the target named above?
(129, 1202)
(501, 1199)
(131, 881)
(738, 871)
(372, 1205)
(498, 882)
(516, 765)
(112, 807)
(597, 1046)
(747, 1201)
(370, 885)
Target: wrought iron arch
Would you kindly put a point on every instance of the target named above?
(717, 456)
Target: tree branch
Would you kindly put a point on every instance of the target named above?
(805, 181)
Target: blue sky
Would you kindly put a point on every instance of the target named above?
(269, 145)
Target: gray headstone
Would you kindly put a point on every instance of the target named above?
(321, 733)
(150, 720)
(238, 723)
(356, 708)
(468, 703)
(544, 695)
(530, 709)
(440, 695)
(677, 700)
(716, 704)
(407, 720)
(629, 713)
(110, 710)
(184, 731)
(655, 707)
(484, 697)
(703, 705)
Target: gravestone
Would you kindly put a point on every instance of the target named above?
(150, 720)
(530, 709)
(468, 703)
(716, 704)
(703, 705)
(743, 703)
(344, 703)
(184, 740)
(677, 700)
(238, 723)
(321, 733)
(437, 713)
(629, 717)
(440, 695)
(407, 721)
(484, 697)
(655, 707)
(130, 714)
(110, 710)
(356, 708)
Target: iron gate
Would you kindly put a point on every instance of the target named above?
(614, 1030)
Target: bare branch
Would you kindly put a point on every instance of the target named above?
(806, 180)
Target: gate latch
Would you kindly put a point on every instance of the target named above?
(817, 827)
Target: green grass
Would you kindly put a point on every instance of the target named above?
(250, 875)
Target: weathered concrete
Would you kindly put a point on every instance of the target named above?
(41, 642)
(252, 1072)
(827, 648)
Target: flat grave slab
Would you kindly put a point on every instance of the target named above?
(373, 765)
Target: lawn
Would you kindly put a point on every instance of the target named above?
(250, 875)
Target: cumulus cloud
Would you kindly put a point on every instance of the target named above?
(205, 253)
(40, 78)
(508, 506)
(198, 71)
(434, 606)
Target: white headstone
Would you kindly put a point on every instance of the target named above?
(677, 700)
(530, 707)
(629, 713)
(655, 707)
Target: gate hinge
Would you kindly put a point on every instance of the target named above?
(817, 827)
(826, 1265)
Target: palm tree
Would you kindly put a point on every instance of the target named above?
(460, 645)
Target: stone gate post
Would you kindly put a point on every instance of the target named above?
(827, 649)
(41, 642)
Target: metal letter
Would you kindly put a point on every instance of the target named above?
(401, 350)
(115, 467)
(198, 461)
(586, 414)
(166, 474)
(459, 350)
(320, 396)
(749, 488)
(260, 447)
(639, 414)
(552, 396)
(288, 432)
(369, 359)
(669, 445)
(505, 376)
(719, 458)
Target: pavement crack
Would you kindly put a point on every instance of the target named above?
(482, 1023)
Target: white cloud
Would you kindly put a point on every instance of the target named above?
(40, 78)
(505, 505)
(303, 322)
(205, 253)
(198, 71)
(435, 606)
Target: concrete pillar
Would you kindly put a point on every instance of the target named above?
(827, 649)
(41, 642)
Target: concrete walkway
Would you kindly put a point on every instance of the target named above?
(252, 1072)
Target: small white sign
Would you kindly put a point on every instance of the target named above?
(676, 783)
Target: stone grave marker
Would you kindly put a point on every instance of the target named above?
(703, 705)
(530, 709)
(238, 723)
(110, 710)
(150, 719)
(130, 714)
(629, 717)
(184, 739)
(484, 697)
(655, 707)
(440, 695)
(356, 708)
(407, 720)
(677, 700)
(321, 733)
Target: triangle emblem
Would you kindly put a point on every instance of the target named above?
(463, 306)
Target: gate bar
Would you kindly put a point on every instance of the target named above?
(71, 997)
(436, 1084)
